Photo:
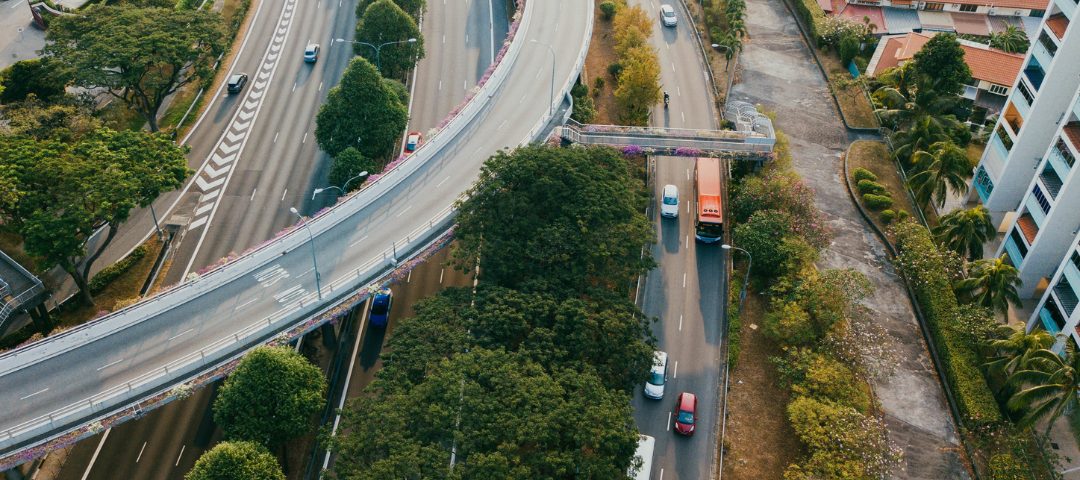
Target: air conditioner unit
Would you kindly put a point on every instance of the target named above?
(1017, 13)
(993, 11)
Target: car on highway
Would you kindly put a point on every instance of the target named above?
(237, 82)
(311, 53)
(380, 308)
(669, 203)
(645, 447)
(654, 385)
(685, 413)
(413, 141)
(667, 16)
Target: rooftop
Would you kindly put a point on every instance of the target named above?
(991, 65)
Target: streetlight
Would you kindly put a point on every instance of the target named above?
(378, 64)
(551, 97)
(747, 277)
(313, 260)
(731, 70)
(160, 234)
(341, 188)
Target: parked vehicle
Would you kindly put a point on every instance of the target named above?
(311, 53)
(667, 16)
(654, 386)
(413, 141)
(237, 82)
(686, 413)
(645, 447)
(380, 308)
(669, 203)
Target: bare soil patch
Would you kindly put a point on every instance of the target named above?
(601, 54)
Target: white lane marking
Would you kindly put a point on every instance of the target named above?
(181, 333)
(249, 302)
(96, 452)
(109, 365)
(465, 85)
(678, 91)
(683, 116)
(440, 184)
(538, 72)
(320, 86)
(687, 242)
(688, 174)
(409, 277)
(680, 323)
(444, 36)
(305, 136)
(478, 150)
(661, 474)
(283, 194)
(35, 393)
(556, 27)
(672, 67)
(253, 194)
(440, 84)
(688, 206)
(501, 125)
(305, 273)
(362, 239)
(403, 211)
(522, 98)
(140, 452)
(17, 4)
(441, 273)
(294, 87)
(669, 421)
(181, 455)
(466, 39)
(676, 373)
(684, 280)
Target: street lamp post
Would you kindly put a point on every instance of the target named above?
(378, 64)
(160, 234)
(731, 70)
(312, 241)
(747, 277)
(551, 96)
(341, 188)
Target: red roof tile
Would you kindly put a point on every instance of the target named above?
(994, 66)
(1006, 4)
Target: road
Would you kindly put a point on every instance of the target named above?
(686, 290)
(216, 313)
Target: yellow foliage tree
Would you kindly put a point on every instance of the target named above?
(639, 85)
(633, 27)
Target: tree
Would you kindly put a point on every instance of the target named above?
(732, 42)
(38, 77)
(270, 397)
(639, 86)
(67, 190)
(236, 461)
(1012, 40)
(901, 78)
(347, 165)
(763, 236)
(919, 137)
(844, 444)
(412, 7)
(608, 8)
(584, 107)
(632, 28)
(964, 231)
(942, 58)
(1053, 384)
(996, 281)
(65, 121)
(848, 49)
(360, 112)
(944, 167)
(138, 55)
(1014, 347)
(843, 83)
(590, 233)
(383, 22)
(925, 100)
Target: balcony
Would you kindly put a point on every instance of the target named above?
(1026, 223)
(1034, 71)
(1015, 248)
(1066, 297)
(1067, 6)
(1051, 181)
(1049, 320)
(1072, 131)
(1058, 23)
(983, 184)
(1013, 116)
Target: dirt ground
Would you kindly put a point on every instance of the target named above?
(857, 110)
(760, 441)
(601, 54)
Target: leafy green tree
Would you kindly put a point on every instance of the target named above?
(65, 121)
(942, 58)
(503, 416)
(848, 49)
(67, 190)
(763, 236)
(964, 231)
(944, 167)
(270, 397)
(996, 282)
(382, 22)
(902, 78)
(1053, 385)
(584, 107)
(1012, 40)
(569, 216)
(843, 443)
(360, 112)
(639, 85)
(347, 165)
(38, 77)
(925, 100)
(138, 55)
(399, 89)
(236, 461)
(919, 137)
(412, 7)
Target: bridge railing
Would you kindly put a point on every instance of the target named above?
(663, 138)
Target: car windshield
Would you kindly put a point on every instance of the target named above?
(235, 79)
(656, 378)
(686, 418)
(669, 13)
(671, 201)
(379, 308)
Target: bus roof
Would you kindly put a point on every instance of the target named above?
(708, 179)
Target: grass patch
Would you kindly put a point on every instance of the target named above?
(123, 288)
(874, 156)
(11, 245)
(179, 106)
(857, 109)
(974, 153)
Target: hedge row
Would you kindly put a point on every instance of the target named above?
(735, 283)
(924, 266)
(812, 13)
(112, 272)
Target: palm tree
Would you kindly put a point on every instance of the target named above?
(1014, 346)
(965, 231)
(737, 28)
(944, 167)
(1012, 40)
(901, 78)
(921, 100)
(997, 282)
(1053, 385)
(920, 136)
(732, 43)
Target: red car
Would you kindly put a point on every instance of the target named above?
(413, 142)
(686, 413)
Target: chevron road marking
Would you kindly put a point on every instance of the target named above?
(197, 223)
(234, 136)
(203, 209)
(210, 172)
(250, 105)
(260, 85)
(223, 161)
(245, 115)
(240, 126)
(229, 148)
(206, 186)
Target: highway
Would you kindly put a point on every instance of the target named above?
(686, 290)
(98, 365)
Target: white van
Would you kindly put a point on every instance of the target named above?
(644, 452)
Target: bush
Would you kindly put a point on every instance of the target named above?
(1006, 467)
(187, 4)
(812, 13)
(789, 324)
(112, 272)
(842, 442)
(901, 215)
(815, 375)
(614, 69)
(861, 174)
(735, 283)
(877, 202)
(608, 8)
(348, 164)
(848, 49)
(763, 236)
(870, 186)
(598, 83)
(887, 216)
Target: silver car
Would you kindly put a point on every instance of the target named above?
(667, 16)
(669, 202)
(654, 386)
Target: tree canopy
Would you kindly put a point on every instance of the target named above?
(360, 112)
(639, 85)
(942, 58)
(40, 77)
(383, 22)
(270, 397)
(347, 166)
(412, 7)
(236, 461)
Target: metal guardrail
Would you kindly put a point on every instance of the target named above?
(709, 140)
(13, 303)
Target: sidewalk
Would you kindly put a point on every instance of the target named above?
(779, 74)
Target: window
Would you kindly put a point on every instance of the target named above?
(1044, 204)
(935, 7)
(1037, 13)
(1021, 244)
(969, 8)
(999, 89)
(982, 179)
(1051, 47)
(1075, 260)
(1066, 155)
(1026, 93)
(1006, 140)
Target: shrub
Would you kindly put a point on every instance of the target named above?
(614, 69)
(1005, 466)
(812, 13)
(598, 83)
(901, 215)
(783, 192)
(848, 49)
(735, 284)
(347, 165)
(861, 174)
(112, 272)
(789, 324)
(843, 443)
(887, 216)
(877, 202)
(763, 235)
(870, 186)
(812, 374)
(608, 8)
(187, 4)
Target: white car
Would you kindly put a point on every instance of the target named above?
(669, 204)
(654, 386)
(667, 16)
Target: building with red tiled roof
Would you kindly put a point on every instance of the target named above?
(1013, 8)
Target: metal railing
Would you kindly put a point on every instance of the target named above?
(712, 140)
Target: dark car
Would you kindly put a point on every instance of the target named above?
(380, 307)
(237, 82)
(686, 413)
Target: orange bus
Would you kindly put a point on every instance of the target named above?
(709, 224)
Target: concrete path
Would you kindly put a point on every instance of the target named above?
(779, 74)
